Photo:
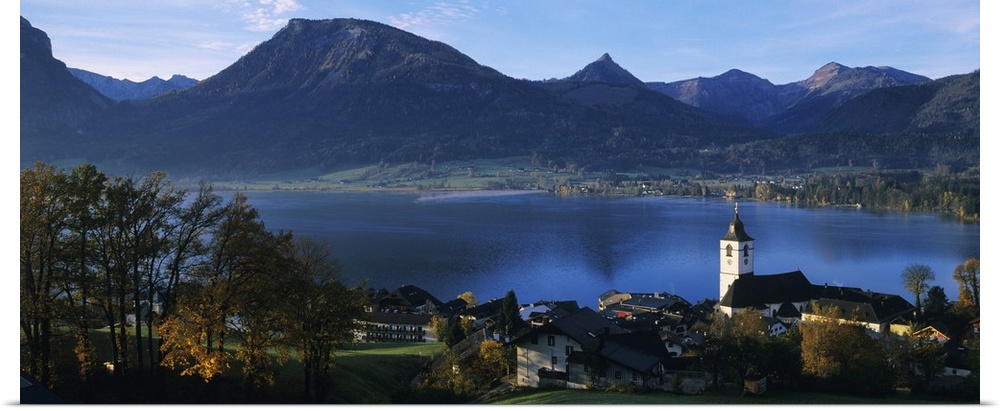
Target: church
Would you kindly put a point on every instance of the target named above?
(790, 297)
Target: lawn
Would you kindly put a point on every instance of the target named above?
(365, 373)
(724, 395)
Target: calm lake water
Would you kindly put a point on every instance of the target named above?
(550, 248)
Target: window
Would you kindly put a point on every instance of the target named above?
(569, 350)
(555, 360)
(746, 251)
(729, 250)
(552, 341)
(618, 375)
(635, 376)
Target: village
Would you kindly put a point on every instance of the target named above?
(651, 340)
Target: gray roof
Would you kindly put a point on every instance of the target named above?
(869, 306)
(639, 351)
(583, 326)
(416, 296)
(485, 310)
(751, 290)
(736, 230)
(648, 303)
(788, 310)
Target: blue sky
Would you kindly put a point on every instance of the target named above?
(784, 41)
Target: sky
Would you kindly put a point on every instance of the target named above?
(784, 41)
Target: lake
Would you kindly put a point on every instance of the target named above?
(546, 247)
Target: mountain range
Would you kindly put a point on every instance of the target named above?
(327, 94)
(126, 89)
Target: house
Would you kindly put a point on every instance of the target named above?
(403, 315)
(932, 333)
(775, 326)
(409, 298)
(875, 311)
(453, 307)
(397, 327)
(610, 297)
(956, 360)
(483, 314)
(673, 343)
(543, 312)
(583, 349)
(375, 297)
(627, 304)
(620, 359)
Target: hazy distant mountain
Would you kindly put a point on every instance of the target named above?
(793, 107)
(126, 89)
(832, 84)
(950, 104)
(734, 93)
(54, 104)
(605, 70)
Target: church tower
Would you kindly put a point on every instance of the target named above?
(735, 254)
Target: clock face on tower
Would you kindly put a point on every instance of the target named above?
(729, 261)
(746, 261)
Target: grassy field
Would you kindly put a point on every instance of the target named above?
(510, 172)
(725, 396)
(365, 373)
(382, 373)
(375, 372)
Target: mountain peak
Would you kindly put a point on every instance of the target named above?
(307, 54)
(834, 77)
(605, 70)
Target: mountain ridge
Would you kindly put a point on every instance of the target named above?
(120, 90)
(325, 93)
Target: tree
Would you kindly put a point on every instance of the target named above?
(494, 362)
(967, 276)
(323, 314)
(915, 278)
(509, 318)
(84, 190)
(454, 332)
(738, 343)
(843, 356)
(937, 303)
(226, 292)
(469, 298)
(439, 327)
(130, 240)
(43, 218)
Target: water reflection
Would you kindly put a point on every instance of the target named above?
(546, 247)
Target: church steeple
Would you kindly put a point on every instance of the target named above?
(736, 230)
(735, 254)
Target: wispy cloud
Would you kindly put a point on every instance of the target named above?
(264, 15)
(436, 14)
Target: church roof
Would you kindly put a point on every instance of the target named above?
(736, 230)
(757, 290)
